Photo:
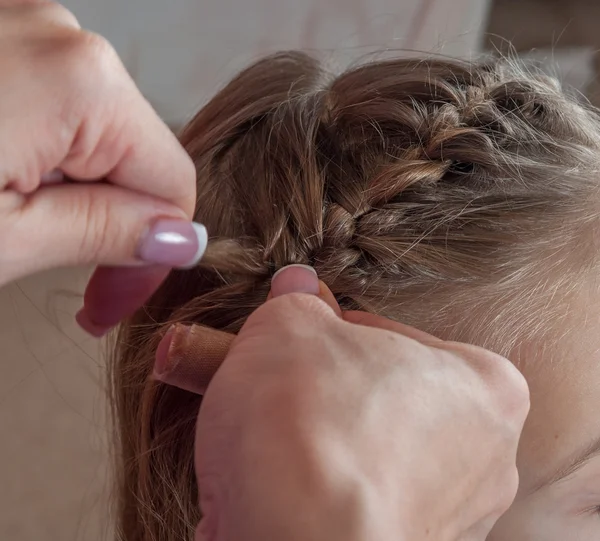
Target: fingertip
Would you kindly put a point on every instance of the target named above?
(115, 293)
(173, 243)
(161, 360)
(85, 322)
(302, 279)
(295, 279)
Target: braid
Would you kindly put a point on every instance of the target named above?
(437, 192)
(385, 170)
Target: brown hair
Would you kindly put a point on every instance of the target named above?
(455, 197)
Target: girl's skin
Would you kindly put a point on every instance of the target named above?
(559, 454)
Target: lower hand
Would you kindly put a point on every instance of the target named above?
(321, 426)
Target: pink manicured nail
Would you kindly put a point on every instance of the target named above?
(295, 279)
(173, 243)
(89, 326)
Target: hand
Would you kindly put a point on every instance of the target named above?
(69, 109)
(321, 427)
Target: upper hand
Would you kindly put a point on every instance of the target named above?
(68, 104)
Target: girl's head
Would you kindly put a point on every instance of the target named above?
(458, 198)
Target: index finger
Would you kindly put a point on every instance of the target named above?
(135, 148)
(80, 89)
(154, 162)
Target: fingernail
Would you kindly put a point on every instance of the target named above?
(162, 352)
(295, 279)
(163, 362)
(52, 177)
(89, 326)
(173, 243)
(188, 356)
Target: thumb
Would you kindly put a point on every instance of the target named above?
(74, 224)
(188, 356)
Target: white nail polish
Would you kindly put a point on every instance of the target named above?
(202, 235)
(307, 267)
(173, 243)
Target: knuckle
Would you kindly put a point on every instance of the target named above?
(505, 386)
(90, 58)
(33, 17)
(508, 490)
(57, 13)
(90, 70)
(512, 391)
(519, 394)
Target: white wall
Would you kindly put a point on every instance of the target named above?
(180, 51)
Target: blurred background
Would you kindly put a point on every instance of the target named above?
(564, 34)
(54, 436)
